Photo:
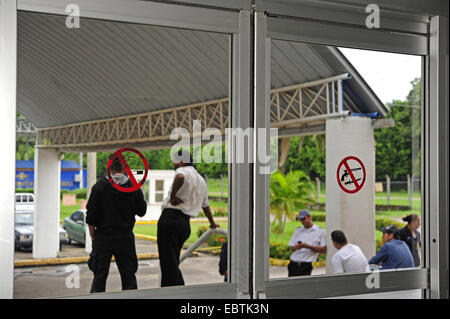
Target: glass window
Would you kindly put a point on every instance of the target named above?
(347, 189)
(80, 217)
(159, 191)
(24, 218)
(170, 79)
(75, 215)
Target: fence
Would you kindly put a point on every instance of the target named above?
(411, 187)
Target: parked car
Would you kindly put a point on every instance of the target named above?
(23, 229)
(75, 225)
(24, 201)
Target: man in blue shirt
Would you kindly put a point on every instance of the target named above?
(394, 253)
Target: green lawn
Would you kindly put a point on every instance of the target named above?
(280, 238)
(66, 211)
(218, 204)
(150, 230)
(292, 225)
(214, 187)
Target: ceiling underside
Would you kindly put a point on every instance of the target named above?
(107, 69)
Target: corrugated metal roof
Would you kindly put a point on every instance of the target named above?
(106, 69)
(295, 62)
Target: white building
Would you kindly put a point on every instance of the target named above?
(159, 184)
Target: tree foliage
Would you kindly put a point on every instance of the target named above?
(310, 159)
(398, 147)
(288, 193)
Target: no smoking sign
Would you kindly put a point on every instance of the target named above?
(351, 174)
(135, 184)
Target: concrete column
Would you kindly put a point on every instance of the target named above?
(47, 186)
(8, 67)
(353, 213)
(81, 171)
(91, 180)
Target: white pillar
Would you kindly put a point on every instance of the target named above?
(8, 67)
(353, 213)
(47, 184)
(81, 171)
(91, 180)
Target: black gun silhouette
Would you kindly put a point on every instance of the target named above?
(346, 174)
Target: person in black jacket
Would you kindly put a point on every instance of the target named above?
(111, 216)
(223, 261)
(411, 236)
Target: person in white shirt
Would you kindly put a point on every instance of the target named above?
(306, 244)
(187, 196)
(349, 257)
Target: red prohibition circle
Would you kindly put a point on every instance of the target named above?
(127, 169)
(355, 182)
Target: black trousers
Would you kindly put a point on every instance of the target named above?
(173, 230)
(299, 269)
(123, 248)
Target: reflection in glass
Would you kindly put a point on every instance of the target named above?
(367, 207)
(137, 83)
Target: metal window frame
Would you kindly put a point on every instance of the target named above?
(143, 12)
(343, 24)
(436, 158)
(352, 12)
(8, 102)
(249, 274)
(237, 25)
(352, 284)
(262, 59)
(342, 35)
(240, 172)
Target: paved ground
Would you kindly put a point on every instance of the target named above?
(77, 250)
(50, 281)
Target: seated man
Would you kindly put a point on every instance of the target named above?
(394, 253)
(349, 257)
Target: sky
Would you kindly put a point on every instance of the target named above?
(388, 74)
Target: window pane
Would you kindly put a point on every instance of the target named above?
(167, 78)
(348, 162)
(159, 186)
(159, 197)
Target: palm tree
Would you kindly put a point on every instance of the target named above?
(288, 193)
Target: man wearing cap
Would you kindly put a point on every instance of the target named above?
(307, 242)
(394, 253)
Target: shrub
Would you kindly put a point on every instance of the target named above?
(64, 191)
(216, 212)
(215, 239)
(319, 217)
(80, 193)
(279, 250)
(201, 230)
(25, 190)
(283, 251)
(378, 244)
(383, 222)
